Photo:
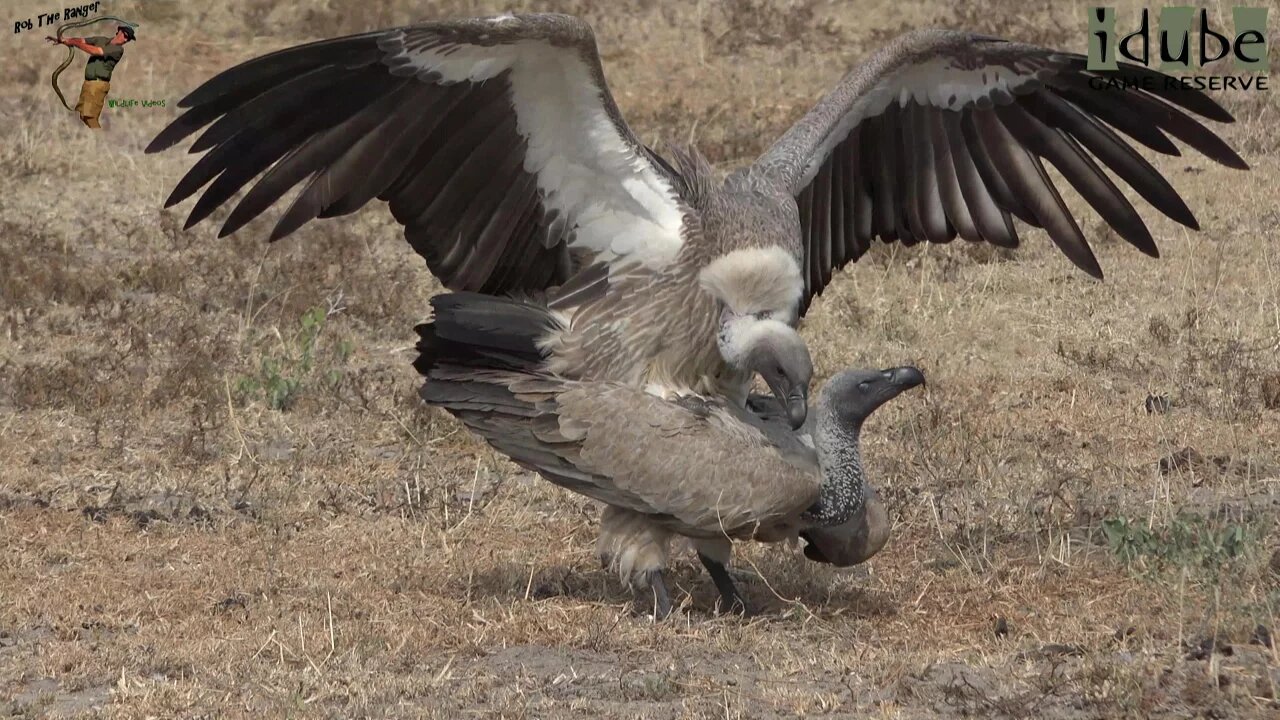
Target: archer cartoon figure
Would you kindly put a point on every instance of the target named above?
(104, 54)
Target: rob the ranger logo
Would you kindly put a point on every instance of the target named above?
(1180, 48)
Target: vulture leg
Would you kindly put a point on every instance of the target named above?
(730, 599)
(653, 595)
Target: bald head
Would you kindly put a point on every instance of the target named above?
(851, 396)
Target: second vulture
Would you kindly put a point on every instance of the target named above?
(693, 466)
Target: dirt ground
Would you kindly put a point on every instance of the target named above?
(219, 495)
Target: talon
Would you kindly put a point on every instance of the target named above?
(654, 596)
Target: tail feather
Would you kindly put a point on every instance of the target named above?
(483, 332)
(483, 363)
(481, 358)
(461, 396)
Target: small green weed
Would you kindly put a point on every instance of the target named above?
(1189, 541)
(281, 375)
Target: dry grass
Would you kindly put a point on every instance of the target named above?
(174, 546)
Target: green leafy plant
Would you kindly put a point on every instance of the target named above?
(281, 376)
(1189, 540)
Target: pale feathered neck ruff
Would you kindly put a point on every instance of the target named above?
(756, 280)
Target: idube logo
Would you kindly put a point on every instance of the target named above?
(1179, 47)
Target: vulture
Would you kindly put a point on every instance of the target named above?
(498, 147)
(701, 467)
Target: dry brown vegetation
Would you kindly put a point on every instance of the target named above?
(171, 544)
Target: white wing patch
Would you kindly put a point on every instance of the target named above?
(943, 85)
(937, 82)
(584, 167)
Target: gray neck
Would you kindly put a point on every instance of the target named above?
(843, 489)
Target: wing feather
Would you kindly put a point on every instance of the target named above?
(993, 222)
(933, 220)
(821, 214)
(836, 221)
(1084, 175)
(861, 208)
(949, 133)
(442, 120)
(1027, 179)
(954, 207)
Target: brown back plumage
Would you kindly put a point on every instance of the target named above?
(719, 472)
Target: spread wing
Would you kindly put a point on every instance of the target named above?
(495, 141)
(945, 133)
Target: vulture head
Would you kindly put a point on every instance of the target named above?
(851, 396)
(847, 511)
(776, 351)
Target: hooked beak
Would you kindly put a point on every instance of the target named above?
(904, 378)
(793, 399)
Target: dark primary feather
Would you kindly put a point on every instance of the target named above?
(256, 146)
(1076, 89)
(352, 119)
(953, 207)
(492, 322)
(930, 173)
(991, 221)
(1029, 183)
(1195, 101)
(317, 158)
(1083, 174)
